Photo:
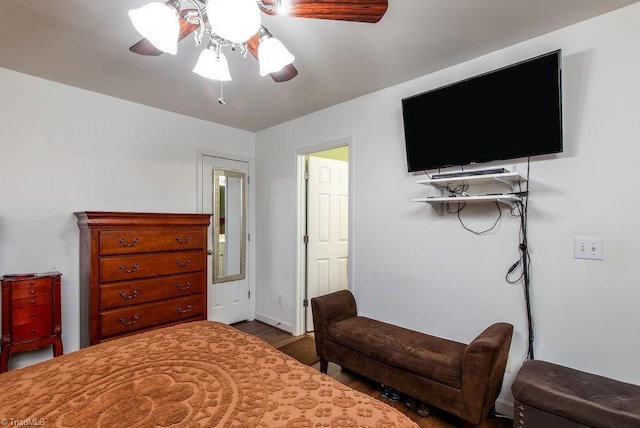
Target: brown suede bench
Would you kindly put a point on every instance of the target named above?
(461, 379)
(550, 395)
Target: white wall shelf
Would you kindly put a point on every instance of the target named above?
(505, 198)
(510, 179)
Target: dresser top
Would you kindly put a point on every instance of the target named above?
(138, 219)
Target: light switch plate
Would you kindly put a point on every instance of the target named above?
(588, 248)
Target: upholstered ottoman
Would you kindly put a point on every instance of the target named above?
(549, 395)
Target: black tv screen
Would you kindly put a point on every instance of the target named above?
(509, 113)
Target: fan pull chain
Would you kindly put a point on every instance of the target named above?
(221, 100)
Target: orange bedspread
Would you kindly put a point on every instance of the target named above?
(202, 373)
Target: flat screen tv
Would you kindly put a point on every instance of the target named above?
(509, 113)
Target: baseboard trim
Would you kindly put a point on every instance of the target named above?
(274, 322)
(504, 408)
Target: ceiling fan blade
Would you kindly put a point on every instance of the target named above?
(370, 11)
(145, 47)
(287, 73)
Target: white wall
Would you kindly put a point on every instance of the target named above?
(421, 270)
(64, 150)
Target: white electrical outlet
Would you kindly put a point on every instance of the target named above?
(588, 248)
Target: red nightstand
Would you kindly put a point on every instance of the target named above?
(30, 314)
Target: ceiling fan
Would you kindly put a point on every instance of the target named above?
(217, 20)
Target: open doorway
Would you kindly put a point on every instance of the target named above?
(324, 224)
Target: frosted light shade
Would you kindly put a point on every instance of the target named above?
(273, 56)
(234, 20)
(158, 23)
(211, 66)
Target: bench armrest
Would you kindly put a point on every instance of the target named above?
(483, 366)
(328, 309)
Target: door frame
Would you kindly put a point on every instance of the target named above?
(250, 258)
(300, 254)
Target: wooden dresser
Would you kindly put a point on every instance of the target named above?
(31, 316)
(140, 271)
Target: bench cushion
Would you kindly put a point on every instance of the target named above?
(578, 396)
(429, 356)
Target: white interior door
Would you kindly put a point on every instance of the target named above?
(229, 301)
(327, 228)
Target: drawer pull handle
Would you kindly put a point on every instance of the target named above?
(124, 243)
(134, 319)
(182, 264)
(32, 292)
(184, 240)
(33, 330)
(187, 286)
(33, 302)
(133, 294)
(125, 270)
(185, 310)
(33, 314)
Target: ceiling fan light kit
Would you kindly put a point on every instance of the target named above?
(159, 23)
(237, 24)
(212, 64)
(227, 22)
(234, 20)
(272, 54)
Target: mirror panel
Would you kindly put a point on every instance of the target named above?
(229, 226)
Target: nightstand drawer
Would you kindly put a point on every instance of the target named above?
(32, 314)
(150, 240)
(121, 268)
(31, 288)
(32, 301)
(31, 331)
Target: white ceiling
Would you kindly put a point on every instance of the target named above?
(84, 43)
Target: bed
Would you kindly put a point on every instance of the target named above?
(201, 373)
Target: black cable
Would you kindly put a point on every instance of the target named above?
(483, 231)
(525, 261)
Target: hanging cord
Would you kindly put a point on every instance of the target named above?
(482, 232)
(461, 190)
(524, 262)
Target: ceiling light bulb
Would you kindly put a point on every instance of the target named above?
(234, 20)
(159, 23)
(213, 65)
(273, 56)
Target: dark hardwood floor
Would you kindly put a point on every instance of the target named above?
(436, 419)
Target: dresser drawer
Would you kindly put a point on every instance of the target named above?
(31, 314)
(132, 318)
(115, 295)
(129, 241)
(120, 268)
(31, 331)
(31, 288)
